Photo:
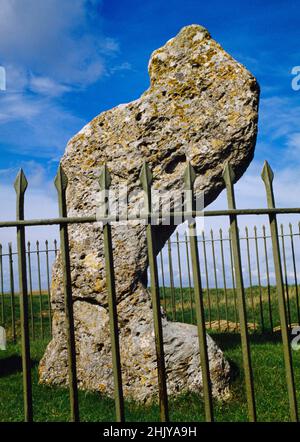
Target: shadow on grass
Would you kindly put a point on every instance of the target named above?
(10, 365)
(13, 364)
(228, 341)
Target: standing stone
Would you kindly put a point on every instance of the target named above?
(202, 106)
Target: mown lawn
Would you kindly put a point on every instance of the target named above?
(51, 404)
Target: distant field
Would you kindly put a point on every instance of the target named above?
(261, 302)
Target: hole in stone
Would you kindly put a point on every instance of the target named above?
(170, 167)
(100, 346)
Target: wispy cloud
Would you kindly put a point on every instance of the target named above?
(43, 123)
(55, 38)
(279, 116)
(120, 67)
(40, 198)
(49, 49)
(47, 86)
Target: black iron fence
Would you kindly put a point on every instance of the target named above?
(176, 282)
(218, 278)
(199, 306)
(40, 257)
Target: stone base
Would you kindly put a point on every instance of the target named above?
(139, 372)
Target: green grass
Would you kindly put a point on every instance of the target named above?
(52, 404)
(39, 315)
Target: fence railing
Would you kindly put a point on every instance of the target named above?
(218, 278)
(146, 181)
(40, 257)
(176, 282)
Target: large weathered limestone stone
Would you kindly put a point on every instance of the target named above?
(202, 106)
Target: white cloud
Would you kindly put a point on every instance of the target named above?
(121, 67)
(57, 39)
(17, 106)
(109, 45)
(293, 147)
(47, 86)
(279, 117)
(17, 78)
(38, 203)
(42, 122)
(250, 192)
(49, 48)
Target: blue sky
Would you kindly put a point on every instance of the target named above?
(68, 60)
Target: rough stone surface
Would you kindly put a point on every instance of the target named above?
(201, 106)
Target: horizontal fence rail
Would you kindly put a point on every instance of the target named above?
(246, 282)
(155, 217)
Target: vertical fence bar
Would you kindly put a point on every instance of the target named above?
(285, 277)
(215, 276)
(250, 277)
(262, 324)
(233, 279)
(267, 177)
(224, 277)
(2, 288)
(20, 188)
(206, 278)
(268, 278)
(40, 288)
(55, 247)
(12, 292)
(229, 178)
(180, 276)
(61, 183)
(295, 271)
(189, 276)
(146, 182)
(105, 182)
(189, 179)
(30, 290)
(172, 288)
(48, 287)
(163, 280)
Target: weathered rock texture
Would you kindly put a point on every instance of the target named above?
(201, 106)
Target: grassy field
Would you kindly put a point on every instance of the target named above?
(261, 303)
(51, 404)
